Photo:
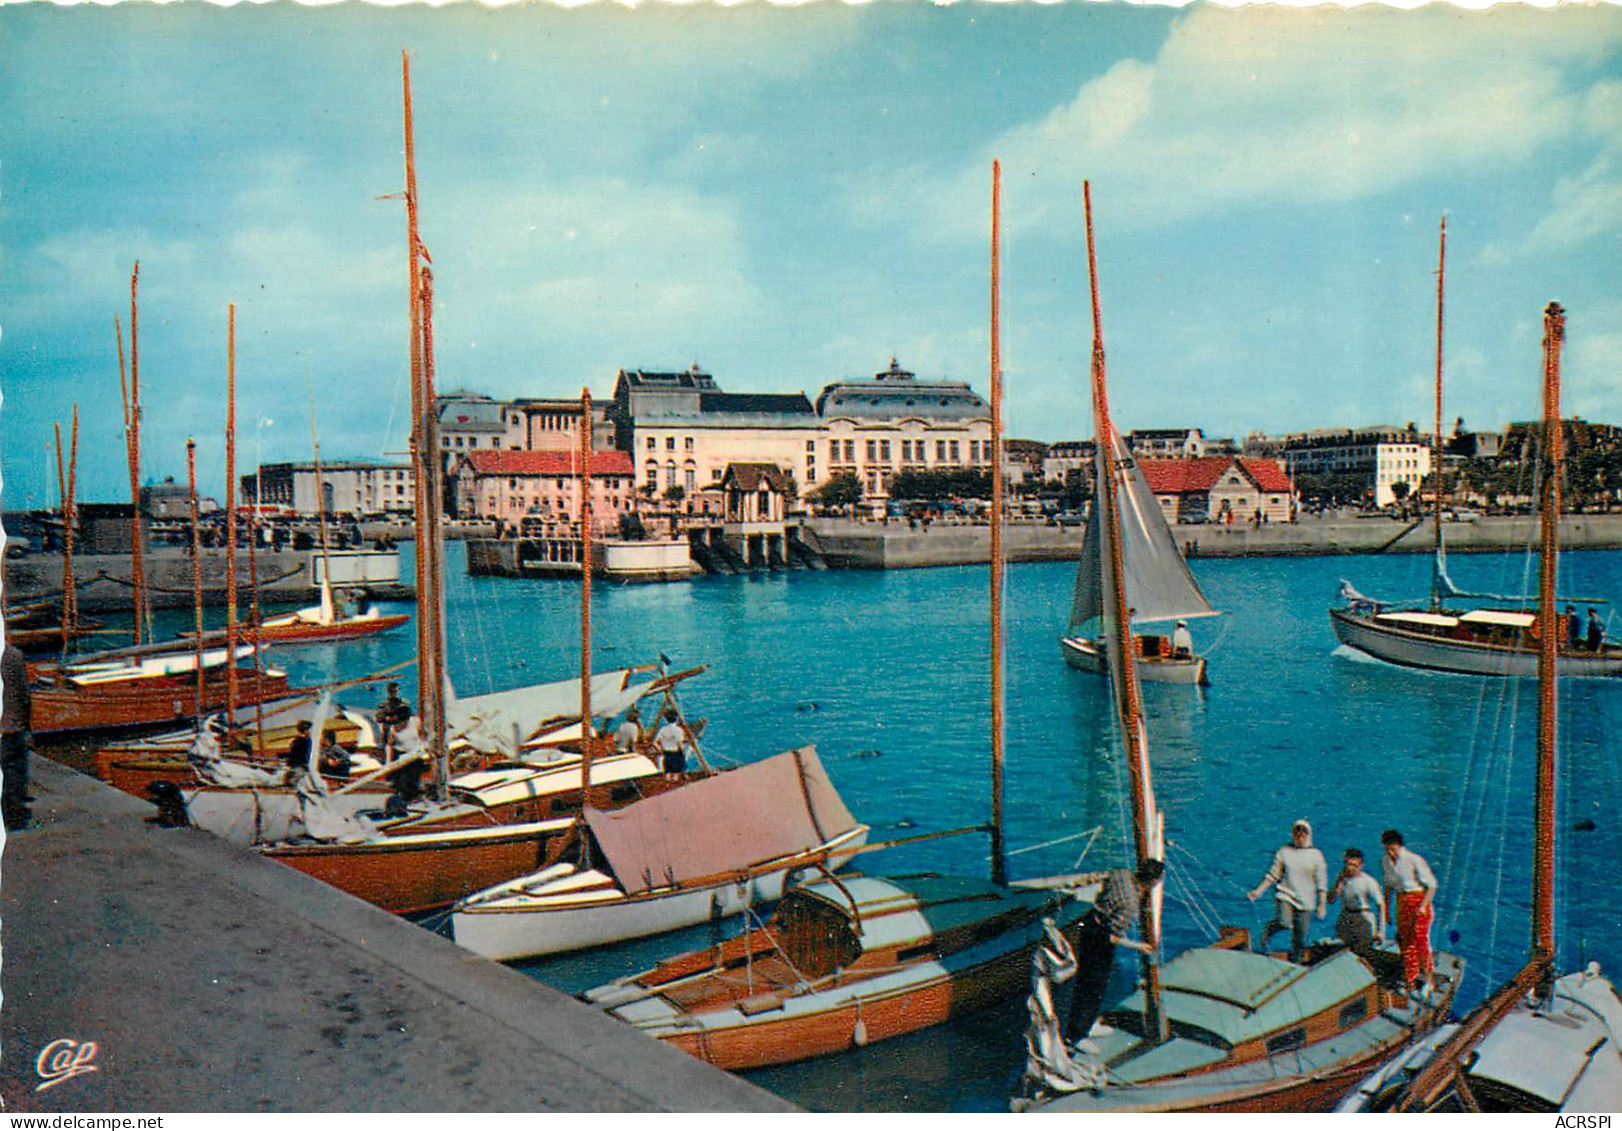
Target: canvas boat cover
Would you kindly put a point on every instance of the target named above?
(501, 720)
(1158, 583)
(726, 823)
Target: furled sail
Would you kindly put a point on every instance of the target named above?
(500, 721)
(1158, 583)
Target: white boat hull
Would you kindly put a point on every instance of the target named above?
(1086, 656)
(510, 933)
(1405, 647)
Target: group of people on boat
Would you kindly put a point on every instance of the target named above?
(1299, 877)
(1577, 640)
(670, 741)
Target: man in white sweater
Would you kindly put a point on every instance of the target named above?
(1303, 882)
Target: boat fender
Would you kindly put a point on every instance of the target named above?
(858, 1035)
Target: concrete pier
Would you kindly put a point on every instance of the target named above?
(211, 980)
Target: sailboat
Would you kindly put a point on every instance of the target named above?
(1159, 586)
(1540, 1043)
(1475, 641)
(1217, 1028)
(849, 960)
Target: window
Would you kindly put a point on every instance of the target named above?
(872, 450)
(956, 457)
(687, 443)
(974, 451)
(715, 475)
(833, 451)
(653, 474)
(884, 451)
(850, 451)
(940, 451)
(1287, 1040)
(1353, 1012)
(810, 446)
(691, 478)
(446, 440)
(670, 443)
(458, 441)
(652, 443)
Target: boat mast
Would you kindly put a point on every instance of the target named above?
(425, 456)
(1124, 669)
(1447, 1065)
(66, 495)
(1436, 449)
(132, 440)
(196, 569)
(586, 735)
(231, 513)
(1554, 332)
(999, 863)
(253, 608)
(320, 499)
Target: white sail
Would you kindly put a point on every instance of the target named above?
(1158, 583)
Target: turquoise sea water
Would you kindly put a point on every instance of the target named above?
(887, 674)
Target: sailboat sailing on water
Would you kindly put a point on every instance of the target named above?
(1159, 586)
(1478, 641)
(1539, 1043)
(1217, 1028)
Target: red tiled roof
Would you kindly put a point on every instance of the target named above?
(548, 463)
(1269, 476)
(1183, 476)
(1180, 476)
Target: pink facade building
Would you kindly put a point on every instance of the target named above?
(543, 487)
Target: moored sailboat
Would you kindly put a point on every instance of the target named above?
(1540, 1043)
(1217, 1028)
(1477, 641)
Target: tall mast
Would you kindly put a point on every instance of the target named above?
(231, 512)
(132, 439)
(320, 496)
(999, 861)
(253, 614)
(585, 593)
(1123, 666)
(196, 569)
(1436, 449)
(425, 454)
(66, 494)
(1554, 332)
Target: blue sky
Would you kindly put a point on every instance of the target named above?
(789, 196)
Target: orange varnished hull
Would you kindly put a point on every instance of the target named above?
(154, 701)
(310, 633)
(132, 768)
(409, 878)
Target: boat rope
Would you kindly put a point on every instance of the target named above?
(1222, 635)
(1091, 835)
(1201, 907)
(102, 575)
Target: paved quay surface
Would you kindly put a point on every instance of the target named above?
(212, 980)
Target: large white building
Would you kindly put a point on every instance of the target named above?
(352, 487)
(1384, 454)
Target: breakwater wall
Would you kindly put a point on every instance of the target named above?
(864, 545)
(103, 580)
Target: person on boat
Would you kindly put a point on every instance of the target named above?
(1303, 880)
(15, 738)
(298, 750)
(334, 759)
(671, 742)
(1182, 642)
(391, 715)
(1596, 631)
(1411, 886)
(1574, 629)
(1362, 907)
(405, 781)
(1104, 927)
(630, 731)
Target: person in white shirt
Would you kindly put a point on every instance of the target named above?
(672, 743)
(1303, 879)
(1362, 907)
(1182, 643)
(1411, 886)
(630, 731)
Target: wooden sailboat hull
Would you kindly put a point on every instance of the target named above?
(533, 929)
(1086, 656)
(291, 630)
(132, 766)
(420, 873)
(150, 701)
(1408, 648)
(857, 1011)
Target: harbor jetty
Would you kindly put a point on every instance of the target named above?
(181, 974)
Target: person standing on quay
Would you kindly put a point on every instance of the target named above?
(15, 738)
(1411, 886)
(1303, 879)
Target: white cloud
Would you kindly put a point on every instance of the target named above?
(1268, 106)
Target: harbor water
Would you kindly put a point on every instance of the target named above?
(887, 674)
